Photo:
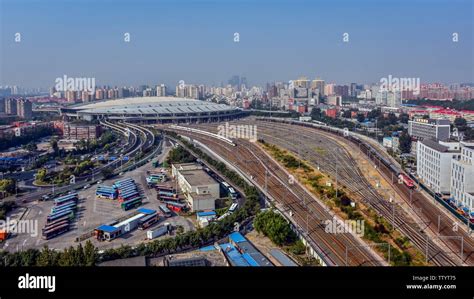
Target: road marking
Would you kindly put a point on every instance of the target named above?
(40, 212)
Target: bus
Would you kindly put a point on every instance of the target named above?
(121, 183)
(166, 193)
(148, 221)
(51, 225)
(176, 206)
(63, 207)
(57, 221)
(166, 212)
(130, 204)
(233, 207)
(128, 190)
(56, 216)
(128, 194)
(160, 188)
(232, 193)
(65, 198)
(56, 231)
(226, 186)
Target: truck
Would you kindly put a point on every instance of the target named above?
(159, 231)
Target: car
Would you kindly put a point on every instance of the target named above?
(87, 186)
(99, 182)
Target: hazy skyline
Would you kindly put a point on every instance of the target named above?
(194, 41)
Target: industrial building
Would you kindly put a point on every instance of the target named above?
(153, 110)
(199, 189)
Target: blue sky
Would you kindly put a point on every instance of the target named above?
(193, 40)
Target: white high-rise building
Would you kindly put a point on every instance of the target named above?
(433, 161)
(161, 90)
(462, 179)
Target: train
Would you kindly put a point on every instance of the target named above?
(406, 180)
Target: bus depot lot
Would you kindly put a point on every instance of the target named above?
(93, 212)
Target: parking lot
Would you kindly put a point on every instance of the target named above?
(93, 212)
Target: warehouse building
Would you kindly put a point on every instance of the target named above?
(199, 189)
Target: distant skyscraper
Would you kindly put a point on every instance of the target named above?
(161, 90)
(11, 106)
(319, 85)
(24, 108)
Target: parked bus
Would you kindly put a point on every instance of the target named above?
(130, 204)
(56, 216)
(56, 231)
(52, 225)
(226, 186)
(128, 194)
(65, 198)
(148, 221)
(176, 206)
(57, 221)
(232, 193)
(233, 207)
(166, 212)
(72, 205)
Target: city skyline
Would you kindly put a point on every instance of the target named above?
(194, 41)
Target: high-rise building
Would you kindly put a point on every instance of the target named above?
(24, 108)
(301, 82)
(319, 85)
(433, 161)
(11, 106)
(462, 182)
(394, 99)
(2, 105)
(161, 90)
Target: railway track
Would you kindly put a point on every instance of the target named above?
(308, 214)
(349, 175)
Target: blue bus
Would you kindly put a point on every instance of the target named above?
(63, 207)
(128, 194)
(56, 216)
(65, 198)
(70, 208)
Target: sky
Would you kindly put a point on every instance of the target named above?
(193, 40)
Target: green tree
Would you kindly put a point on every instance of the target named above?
(460, 123)
(90, 254)
(8, 185)
(405, 142)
